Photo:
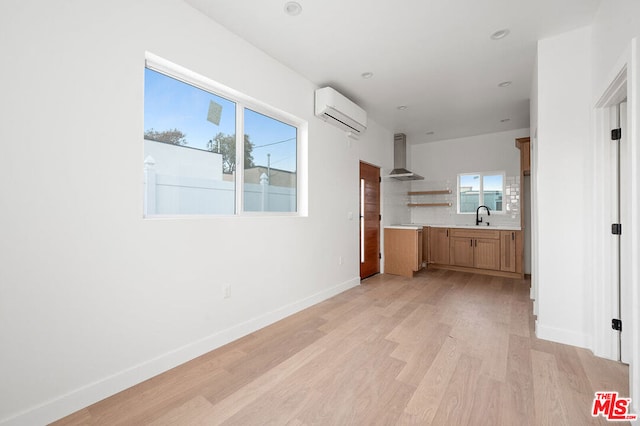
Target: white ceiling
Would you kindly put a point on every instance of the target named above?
(434, 56)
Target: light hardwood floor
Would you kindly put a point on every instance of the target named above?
(443, 348)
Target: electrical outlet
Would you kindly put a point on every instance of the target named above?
(340, 260)
(227, 291)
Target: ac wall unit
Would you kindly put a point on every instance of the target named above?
(336, 109)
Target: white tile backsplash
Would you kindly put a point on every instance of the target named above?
(449, 215)
(394, 196)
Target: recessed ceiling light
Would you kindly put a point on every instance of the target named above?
(504, 84)
(292, 8)
(500, 34)
(366, 75)
(504, 120)
(402, 107)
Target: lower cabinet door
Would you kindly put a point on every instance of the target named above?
(486, 254)
(508, 251)
(461, 251)
(439, 246)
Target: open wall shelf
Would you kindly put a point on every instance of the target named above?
(436, 192)
(433, 192)
(429, 204)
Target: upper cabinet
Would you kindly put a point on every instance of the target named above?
(523, 145)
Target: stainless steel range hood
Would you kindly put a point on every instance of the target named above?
(400, 171)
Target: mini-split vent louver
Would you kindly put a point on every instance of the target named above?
(336, 109)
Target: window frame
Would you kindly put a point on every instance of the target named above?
(481, 190)
(242, 102)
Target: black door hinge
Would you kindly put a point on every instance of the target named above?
(379, 255)
(379, 178)
(379, 217)
(616, 134)
(616, 324)
(616, 228)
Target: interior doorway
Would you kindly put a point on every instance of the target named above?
(369, 220)
(613, 234)
(621, 87)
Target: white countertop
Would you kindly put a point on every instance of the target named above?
(412, 227)
(496, 227)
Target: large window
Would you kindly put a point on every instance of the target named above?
(481, 189)
(211, 151)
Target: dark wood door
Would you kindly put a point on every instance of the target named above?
(369, 220)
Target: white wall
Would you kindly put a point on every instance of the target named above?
(614, 25)
(93, 298)
(533, 123)
(440, 163)
(561, 209)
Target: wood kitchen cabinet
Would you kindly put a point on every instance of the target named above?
(438, 246)
(486, 253)
(425, 245)
(461, 251)
(420, 250)
(511, 251)
(524, 145)
(402, 251)
(475, 248)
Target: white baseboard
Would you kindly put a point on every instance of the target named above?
(564, 336)
(64, 405)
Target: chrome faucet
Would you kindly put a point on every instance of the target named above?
(478, 218)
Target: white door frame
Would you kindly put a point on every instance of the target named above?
(623, 83)
(605, 247)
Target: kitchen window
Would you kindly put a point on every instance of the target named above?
(481, 189)
(209, 150)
